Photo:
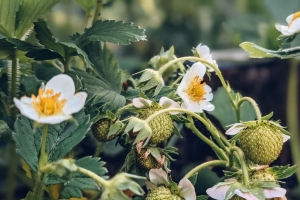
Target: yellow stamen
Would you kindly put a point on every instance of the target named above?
(196, 89)
(295, 16)
(48, 103)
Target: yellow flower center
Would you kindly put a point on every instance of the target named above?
(295, 16)
(196, 89)
(47, 103)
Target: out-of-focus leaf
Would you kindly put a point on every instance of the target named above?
(5, 131)
(87, 5)
(8, 16)
(113, 32)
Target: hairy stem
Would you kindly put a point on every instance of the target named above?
(98, 11)
(94, 176)
(253, 103)
(241, 156)
(99, 149)
(205, 165)
(43, 155)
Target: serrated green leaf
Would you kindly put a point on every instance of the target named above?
(64, 49)
(5, 131)
(130, 94)
(281, 172)
(29, 11)
(30, 83)
(80, 182)
(111, 31)
(224, 112)
(8, 16)
(202, 197)
(193, 178)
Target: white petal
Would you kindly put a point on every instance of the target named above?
(203, 51)
(53, 119)
(168, 103)
(141, 102)
(235, 129)
(205, 105)
(274, 192)
(158, 176)
(289, 18)
(197, 69)
(283, 29)
(207, 89)
(285, 137)
(208, 97)
(218, 192)
(26, 109)
(245, 195)
(61, 83)
(295, 26)
(75, 104)
(26, 100)
(192, 106)
(186, 189)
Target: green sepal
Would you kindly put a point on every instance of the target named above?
(193, 178)
(281, 172)
(268, 116)
(202, 197)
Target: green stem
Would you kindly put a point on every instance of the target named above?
(38, 188)
(124, 109)
(253, 103)
(292, 113)
(94, 176)
(218, 151)
(241, 156)
(209, 126)
(99, 149)
(98, 10)
(205, 165)
(43, 155)
(67, 63)
(218, 72)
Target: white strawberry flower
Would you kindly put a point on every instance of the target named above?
(160, 177)
(194, 92)
(55, 102)
(164, 103)
(203, 52)
(293, 26)
(237, 127)
(219, 192)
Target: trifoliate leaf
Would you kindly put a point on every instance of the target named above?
(64, 49)
(281, 172)
(29, 11)
(113, 32)
(256, 51)
(8, 16)
(224, 112)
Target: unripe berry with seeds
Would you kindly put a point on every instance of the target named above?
(100, 130)
(146, 163)
(161, 193)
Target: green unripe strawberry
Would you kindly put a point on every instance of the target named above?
(261, 175)
(236, 197)
(146, 163)
(161, 193)
(100, 130)
(261, 143)
(162, 125)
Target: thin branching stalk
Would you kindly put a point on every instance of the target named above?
(240, 154)
(98, 11)
(99, 149)
(253, 103)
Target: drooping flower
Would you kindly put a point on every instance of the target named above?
(161, 183)
(203, 52)
(293, 26)
(164, 102)
(55, 102)
(194, 92)
(219, 191)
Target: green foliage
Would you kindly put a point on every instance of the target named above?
(111, 31)
(8, 16)
(202, 197)
(224, 112)
(5, 132)
(281, 172)
(30, 83)
(64, 49)
(61, 138)
(193, 178)
(87, 5)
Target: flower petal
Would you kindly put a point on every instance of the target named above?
(158, 176)
(208, 97)
(203, 51)
(197, 69)
(237, 127)
(75, 104)
(218, 192)
(283, 29)
(295, 26)
(62, 83)
(186, 189)
(274, 192)
(192, 106)
(26, 100)
(26, 109)
(207, 89)
(285, 137)
(168, 103)
(289, 18)
(141, 102)
(205, 105)
(245, 195)
(53, 119)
